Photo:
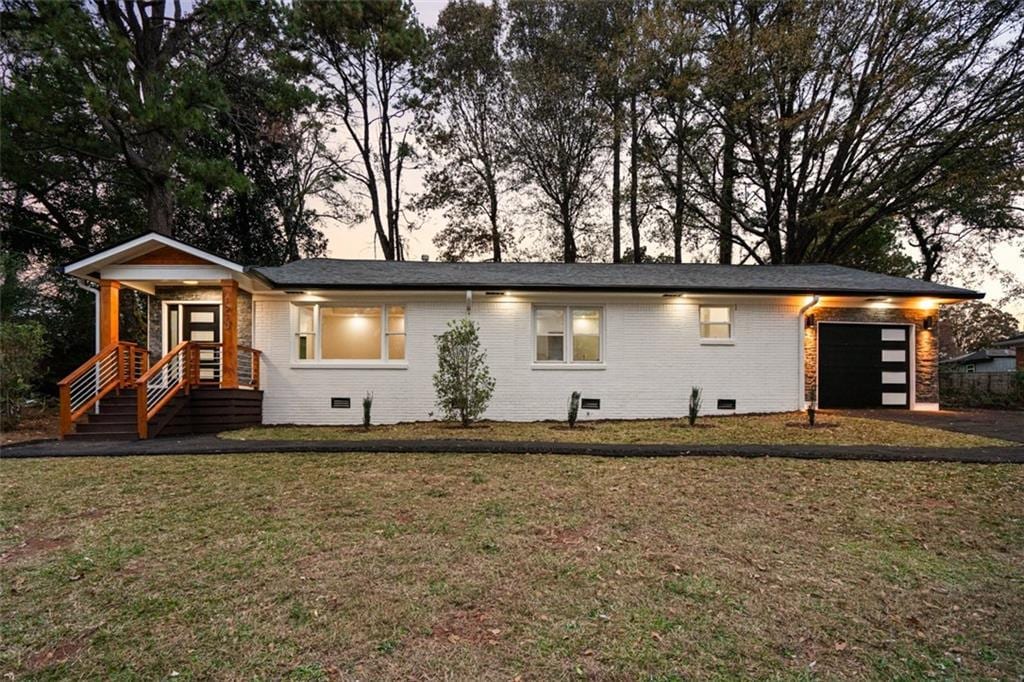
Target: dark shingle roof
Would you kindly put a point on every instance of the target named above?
(983, 355)
(328, 273)
(1017, 340)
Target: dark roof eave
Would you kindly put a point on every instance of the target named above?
(962, 294)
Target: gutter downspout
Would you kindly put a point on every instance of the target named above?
(802, 398)
(96, 295)
(469, 302)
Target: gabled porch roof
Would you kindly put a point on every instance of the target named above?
(155, 259)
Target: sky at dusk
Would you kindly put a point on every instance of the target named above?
(358, 241)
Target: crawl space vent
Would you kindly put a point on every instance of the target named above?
(591, 403)
(726, 404)
(343, 403)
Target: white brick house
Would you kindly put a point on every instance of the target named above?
(632, 339)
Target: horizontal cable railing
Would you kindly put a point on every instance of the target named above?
(159, 385)
(248, 367)
(206, 363)
(114, 367)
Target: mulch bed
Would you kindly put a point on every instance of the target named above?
(818, 425)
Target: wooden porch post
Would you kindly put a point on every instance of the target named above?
(109, 312)
(229, 334)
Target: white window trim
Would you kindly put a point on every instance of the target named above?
(317, 361)
(568, 363)
(712, 341)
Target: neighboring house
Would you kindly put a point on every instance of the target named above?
(314, 336)
(1016, 344)
(984, 360)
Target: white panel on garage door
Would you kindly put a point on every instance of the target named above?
(894, 398)
(894, 377)
(894, 335)
(894, 356)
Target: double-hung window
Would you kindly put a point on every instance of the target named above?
(340, 333)
(716, 322)
(567, 334)
(305, 335)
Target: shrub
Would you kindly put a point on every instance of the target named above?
(21, 349)
(367, 406)
(574, 408)
(694, 409)
(462, 382)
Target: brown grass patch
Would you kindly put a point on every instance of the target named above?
(31, 547)
(61, 652)
(468, 627)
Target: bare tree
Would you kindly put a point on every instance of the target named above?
(464, 128)
(365, 55)
(554, 113)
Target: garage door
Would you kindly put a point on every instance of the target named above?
(863, 365)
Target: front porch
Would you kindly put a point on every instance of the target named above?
(197, 364)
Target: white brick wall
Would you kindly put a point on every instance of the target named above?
(653, 355)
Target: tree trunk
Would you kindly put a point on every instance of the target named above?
(617, 183)
(634, 174)
(930, 253)
(726, 206)
(568, 238)
(677, 215)
(160, 208)
(493, 215)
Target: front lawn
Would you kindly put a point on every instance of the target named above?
(346, 566)
(764, 429)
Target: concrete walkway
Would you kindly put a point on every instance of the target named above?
(211, 445)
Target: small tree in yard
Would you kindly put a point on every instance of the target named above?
(21, 349)
(463, 382)
(574, 408)
(367, 407)
(694, 408)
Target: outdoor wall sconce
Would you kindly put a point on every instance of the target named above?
(929, 322)
(809, 321)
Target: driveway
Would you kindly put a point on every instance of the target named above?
(1004, 424)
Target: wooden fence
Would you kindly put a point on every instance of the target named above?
(999, 383)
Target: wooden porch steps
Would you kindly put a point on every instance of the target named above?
(203, 410)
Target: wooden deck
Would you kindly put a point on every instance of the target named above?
(202, 410)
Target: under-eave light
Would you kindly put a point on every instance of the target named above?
(190, 282)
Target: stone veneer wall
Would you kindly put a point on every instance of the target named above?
(156, 335)
(926, 350)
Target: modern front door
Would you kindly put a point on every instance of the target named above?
(198, 322)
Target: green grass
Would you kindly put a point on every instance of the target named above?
(765, 429)
(324, 567)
